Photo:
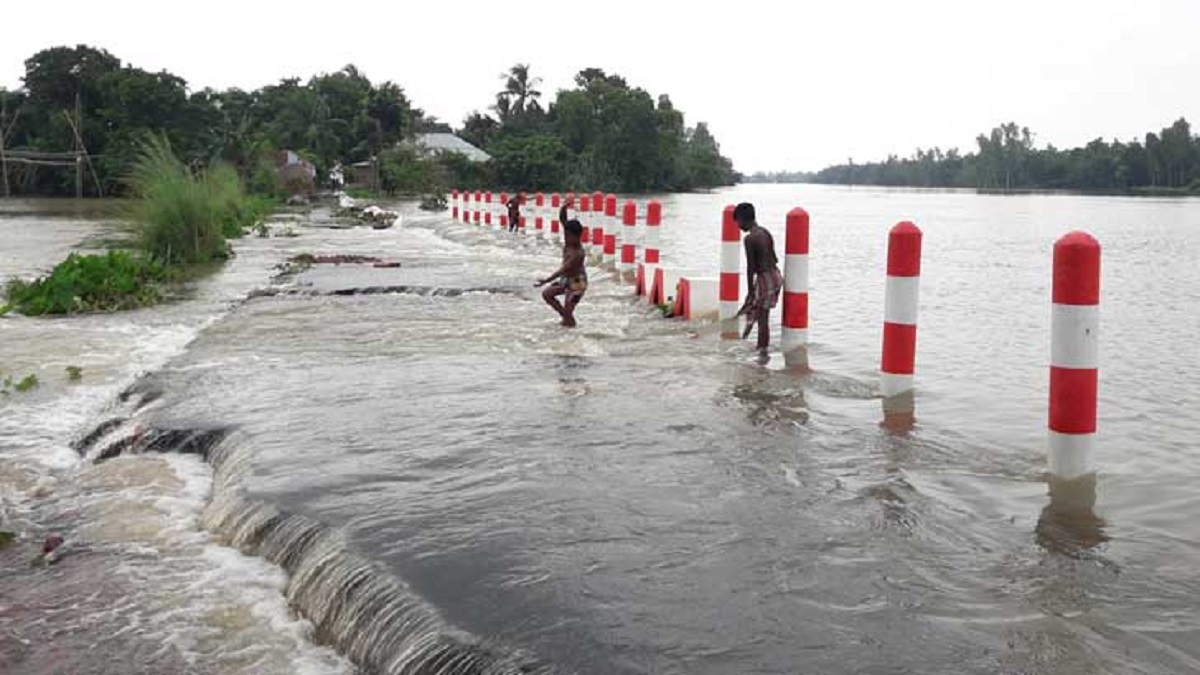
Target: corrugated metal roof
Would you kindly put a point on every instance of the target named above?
(451, 143)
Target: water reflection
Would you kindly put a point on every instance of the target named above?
(796, 359)
(1069, 524)
(899, 413)
(769, 396)
(571, 381)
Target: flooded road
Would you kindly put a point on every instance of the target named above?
(454, 484)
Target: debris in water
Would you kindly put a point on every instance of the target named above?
(338, 259)
(74, 373)
(7, 538)
(52, 543)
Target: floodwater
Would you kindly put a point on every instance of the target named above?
(433, 477)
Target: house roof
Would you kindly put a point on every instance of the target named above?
(442, 142)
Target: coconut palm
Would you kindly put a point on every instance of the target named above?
(519, 91)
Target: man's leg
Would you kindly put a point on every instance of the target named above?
(572, 300)
(764, 329)
(549, 295)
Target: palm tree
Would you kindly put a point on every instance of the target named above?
(519, 91)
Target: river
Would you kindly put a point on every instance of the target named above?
(439, 479)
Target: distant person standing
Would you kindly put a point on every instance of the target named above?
(570, 279)
(514, 213)
(763, 279)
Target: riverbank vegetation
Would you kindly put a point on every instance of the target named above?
(180, 216)
(1006, 159)
(183, 215)
(114, 281)
(600, 133)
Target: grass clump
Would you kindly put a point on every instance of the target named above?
(28, 383)
(90, 283)
(183, 215)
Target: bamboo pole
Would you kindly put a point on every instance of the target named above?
(81, 156)
(4, 145)
(78, 150)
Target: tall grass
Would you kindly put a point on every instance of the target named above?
(181, 215)
(178, 216)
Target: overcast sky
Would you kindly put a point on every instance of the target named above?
(783, 85)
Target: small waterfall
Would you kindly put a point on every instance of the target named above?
(355, 605)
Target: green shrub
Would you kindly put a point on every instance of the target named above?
(90, 283)
(183, 215)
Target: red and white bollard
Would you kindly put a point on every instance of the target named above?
(611, 224)
(1074, 355)
(539, 201)
(628, 263)
(653, 222)
(598, 223)
(475, 214)
(585, 218)
(610, 250)
(555, 207)
(454, 203)
(795, 289)
(646, 270)
(487, 214)
(524, 202)
(503, 210)
(731, 265)
(900, 309)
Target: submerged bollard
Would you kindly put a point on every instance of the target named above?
(555, 206)
(795, 289)
(487, 214)
(610, 251)
(539, 208)
(598, 222)
(1074, 349)
(900, 309)
(628, 247)
(731, 265)
(611, 224)
(475, 214)
(653, 222)
(454, 203)
(585, 218)
(647, 269)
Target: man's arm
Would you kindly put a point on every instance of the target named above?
(753, 254)
(570, 266)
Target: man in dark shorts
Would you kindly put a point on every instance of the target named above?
(764, 282)
(514, 213)
(570, 279)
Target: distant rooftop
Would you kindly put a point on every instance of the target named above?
(435, 143)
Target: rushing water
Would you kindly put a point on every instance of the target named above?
(439, 479)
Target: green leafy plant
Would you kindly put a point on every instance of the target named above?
(74, 373)
(28, 383)
(23, 385)
(90, 283)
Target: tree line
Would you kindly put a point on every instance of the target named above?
(1167, 162)
(600, 134)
